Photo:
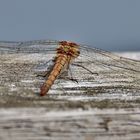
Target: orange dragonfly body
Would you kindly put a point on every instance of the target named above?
(66, 52)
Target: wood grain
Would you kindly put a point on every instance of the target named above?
(102, 110)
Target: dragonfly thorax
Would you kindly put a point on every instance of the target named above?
(69, 49)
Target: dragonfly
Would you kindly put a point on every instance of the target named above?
(66, 52)
(88, 69)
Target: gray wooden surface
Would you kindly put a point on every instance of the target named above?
(40, 124)
(105, 106)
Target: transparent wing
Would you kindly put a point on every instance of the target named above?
(98, 71)
(106, 59)
(22, 62)
(37, 46)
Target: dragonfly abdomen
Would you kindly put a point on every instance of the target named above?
(59, 64)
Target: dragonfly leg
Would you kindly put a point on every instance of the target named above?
(64, 75)
(72, 79)
(85, 68)
(44, 74)
(71, 76)
(68, 78)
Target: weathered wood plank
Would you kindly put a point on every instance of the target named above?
(104, 106)
(115, 77)
(39, 124)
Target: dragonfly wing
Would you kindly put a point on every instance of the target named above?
(104, 60)
(99, 71)
(27, 60)
(37, 46)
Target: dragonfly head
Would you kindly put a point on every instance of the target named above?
(68, 48)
